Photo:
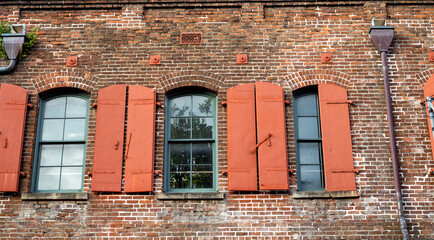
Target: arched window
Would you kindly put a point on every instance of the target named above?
(61, 143)
(191, 142)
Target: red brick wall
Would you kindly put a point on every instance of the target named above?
(283, 40)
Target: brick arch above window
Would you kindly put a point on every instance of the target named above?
(203, 79)
(314, 77)
(65, 78)
(423, 77)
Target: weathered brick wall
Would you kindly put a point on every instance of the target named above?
(283, 41)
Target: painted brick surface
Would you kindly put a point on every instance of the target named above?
(284, 41)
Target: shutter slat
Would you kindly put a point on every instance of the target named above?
(428, 90)
(109, 139)
(242, 169)
(271, 135)
(13, 109)
(139, 155)
(336, 138)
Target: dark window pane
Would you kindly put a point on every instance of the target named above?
(307, 105)
(202, 168)
(180, 128)
(202, 128)
(75, 129)
(202, 180)
(310, 177)
(76, 107)
(49, 178)
(309, 152)
(52, 130)
(179, 153)
(180, 107)
(71, 178)
(179, 180)
(308, 127)
(55, 108)
(73, 154)
(51, 155)
(202, 106)
(202, 153)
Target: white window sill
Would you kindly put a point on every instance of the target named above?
(83, 196)
(324, 194)
(190, 196)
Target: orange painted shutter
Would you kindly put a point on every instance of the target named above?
(428, 90)
(13, 109)
(242, 171)
(336, 138)
(139, 151)
(109, 139)
(271, 137)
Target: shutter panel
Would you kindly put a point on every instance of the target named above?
(336, 138)
(272, 153)
(242, 171)
(109, 139)
(428, 90)
(139, 151)
(13, 109)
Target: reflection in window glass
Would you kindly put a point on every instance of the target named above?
(191, 143)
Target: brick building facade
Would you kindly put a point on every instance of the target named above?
(283, 40)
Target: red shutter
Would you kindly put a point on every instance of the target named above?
(109, 139)
(336, 138)
(271, 136)
(428, 90)
(139, 151)
(13, 109)
(242, 172)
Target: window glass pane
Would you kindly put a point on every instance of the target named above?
(202, 153)
(307, 105)
(179, 153)
(310, 177)
(180, 107)
(202, 168)
(75, 129)
(202, 128)
(180, 128)
(52, 130)
(202, 180)
(309, 152)
(184, 168)
(202, 106)
(308, 127)
(49, 178)
(55, 108)
(73, 154)
(179, 180)
(76, 107)
(51, 155)
(71, 178)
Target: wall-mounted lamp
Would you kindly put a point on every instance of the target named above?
(12, 43)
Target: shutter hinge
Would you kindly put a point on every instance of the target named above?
(158, 104)
(224, 173)
(286, 102)
(89, 173)
(94, 105)
(31, 106)
(431, 171)
(347, 102)
(356, 171)
(224, 104)
(158, 173)
(291, 172)
(23, 174)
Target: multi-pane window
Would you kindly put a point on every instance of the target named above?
(190, 143)
(61, 145)
(310, 173)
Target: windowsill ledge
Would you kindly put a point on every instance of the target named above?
(190, 196)
(83, 196)
(325, 194)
